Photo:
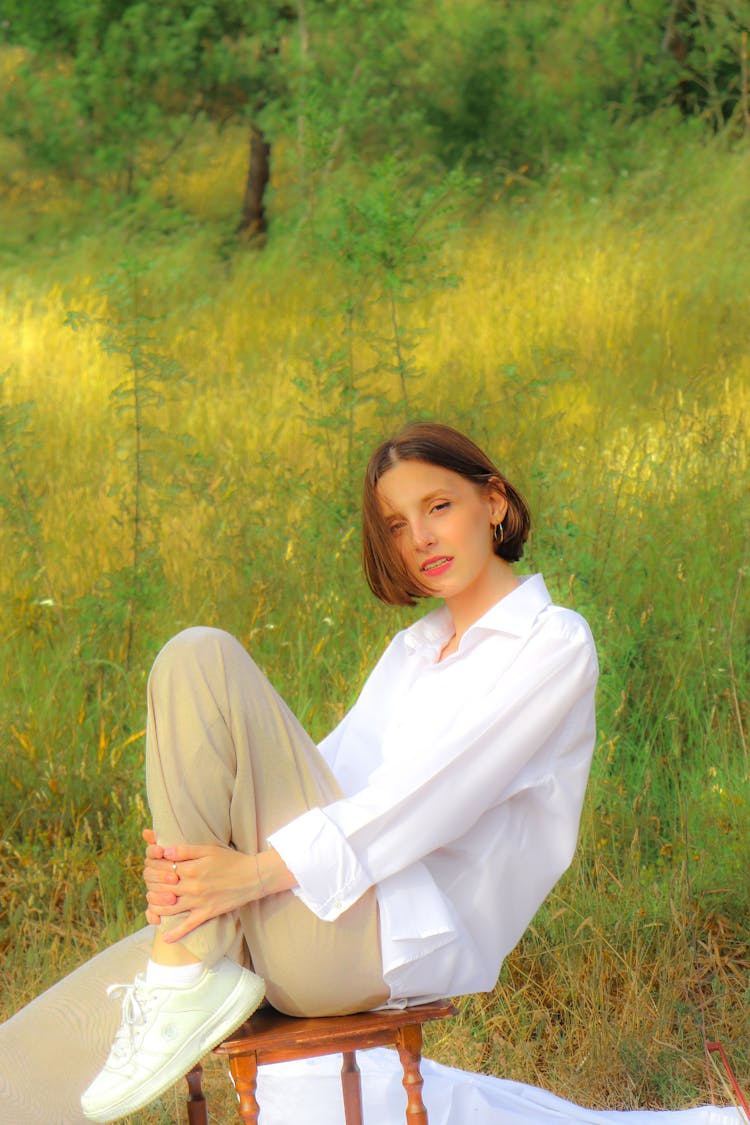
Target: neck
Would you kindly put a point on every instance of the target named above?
(468, 606)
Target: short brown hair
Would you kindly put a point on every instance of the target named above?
(440, 445)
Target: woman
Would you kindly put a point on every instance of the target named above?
(401, 863)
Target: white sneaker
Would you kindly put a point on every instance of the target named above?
(164, 1033)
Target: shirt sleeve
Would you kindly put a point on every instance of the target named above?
(420, 801)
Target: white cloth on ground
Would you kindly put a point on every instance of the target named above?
(309, 1093)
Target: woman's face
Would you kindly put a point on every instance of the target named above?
(442, 526)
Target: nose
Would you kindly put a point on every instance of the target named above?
(423, 536)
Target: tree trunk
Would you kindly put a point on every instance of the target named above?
(678, 41)
(253, 225)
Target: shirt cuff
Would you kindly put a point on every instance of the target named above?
(329, 876)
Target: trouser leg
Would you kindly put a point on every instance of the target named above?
(228, 763)
(52, 1049)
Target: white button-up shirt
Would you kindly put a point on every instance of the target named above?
(463, 782)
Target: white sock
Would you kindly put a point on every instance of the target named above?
(172, 976)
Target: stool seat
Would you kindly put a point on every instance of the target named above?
(270, 1037)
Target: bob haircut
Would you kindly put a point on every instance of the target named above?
(435, 444)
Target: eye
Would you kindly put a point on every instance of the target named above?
(441, 506)
(395, 527)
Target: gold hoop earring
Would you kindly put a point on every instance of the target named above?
(498, 539)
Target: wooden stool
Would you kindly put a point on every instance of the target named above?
(270, 1037)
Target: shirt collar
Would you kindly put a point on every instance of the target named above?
(514, 614)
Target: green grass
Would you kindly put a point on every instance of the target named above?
(596, 343)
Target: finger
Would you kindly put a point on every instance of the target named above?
(161, 869)
(156, 887)
(161, 912)
(152, 917)
(153, 851)
(161, 898)
(149, 835)
(167, 911)
(182, 852)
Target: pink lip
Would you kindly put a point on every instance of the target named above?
(438, 569)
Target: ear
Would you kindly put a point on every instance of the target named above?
(497, 500)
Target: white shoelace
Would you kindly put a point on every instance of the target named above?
(137, 1001)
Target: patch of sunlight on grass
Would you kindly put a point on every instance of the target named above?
(614, 306)
(685, 445)
(206, 178)
(64, 373)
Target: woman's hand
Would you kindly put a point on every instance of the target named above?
(206, 881)
(160, 879)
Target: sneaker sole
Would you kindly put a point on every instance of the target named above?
(227, 1019)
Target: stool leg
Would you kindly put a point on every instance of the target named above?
(196, 1104)
(352, 1088)
(409, 1045)
(244, 1070)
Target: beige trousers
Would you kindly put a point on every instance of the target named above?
(227, 763)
